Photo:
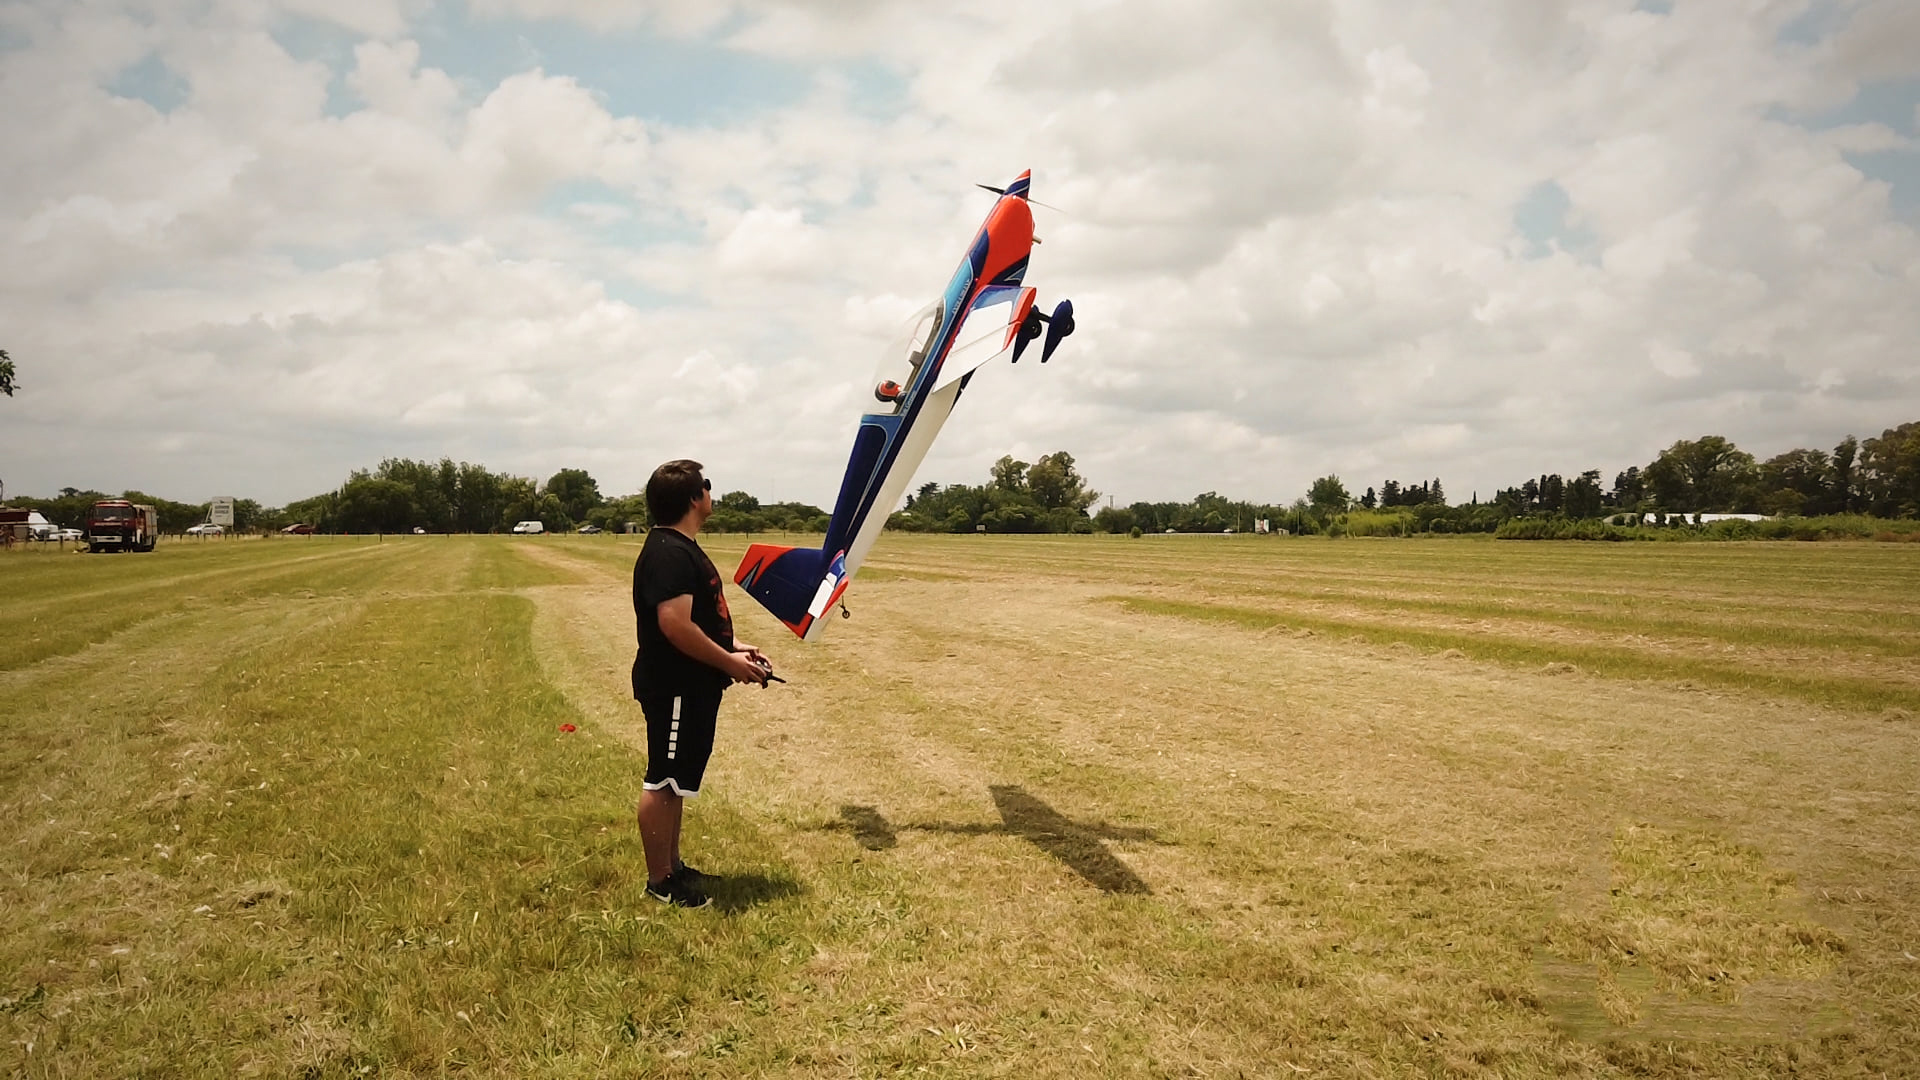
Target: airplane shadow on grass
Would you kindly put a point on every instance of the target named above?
(1078, 846)
(737, 892)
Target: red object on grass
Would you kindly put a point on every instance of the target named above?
(566, 727)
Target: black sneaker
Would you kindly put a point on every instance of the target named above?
(678, 892)
(689, 875)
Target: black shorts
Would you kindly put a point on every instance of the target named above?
(679, 739)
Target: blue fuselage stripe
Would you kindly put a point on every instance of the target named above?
(956, 301)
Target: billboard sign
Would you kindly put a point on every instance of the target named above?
(220, 511)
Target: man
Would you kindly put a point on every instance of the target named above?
(687, 657)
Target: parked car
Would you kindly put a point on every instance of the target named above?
(589, 530)
(298, 529)
(205, 529)
(529, 528)
(72, 535)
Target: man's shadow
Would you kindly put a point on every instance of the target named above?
(1079, 847)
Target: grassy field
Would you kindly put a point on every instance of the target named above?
(1043, 807)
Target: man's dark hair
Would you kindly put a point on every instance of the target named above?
(673, 489)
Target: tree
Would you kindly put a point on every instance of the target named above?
(577, 493)
(1328, 496)
(1390, 493)
(1708, 473)
(1368, 500)
(1055, 485)
(927, 491)
(7, 385)
(1553, 493)
(1584, 497)
(1010, 475)
(1890, 472)
(376, 504)
(1841, 500)
(1796, 480)
(1629, 488)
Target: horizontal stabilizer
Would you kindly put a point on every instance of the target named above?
(795, 584)
(783, 579)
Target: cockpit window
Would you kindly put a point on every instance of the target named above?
(901, 365)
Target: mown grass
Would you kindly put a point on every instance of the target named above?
(323, 821)
(1863, 692)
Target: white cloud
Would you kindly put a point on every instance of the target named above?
(1289, 231)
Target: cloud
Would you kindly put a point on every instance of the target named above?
(1290, 232)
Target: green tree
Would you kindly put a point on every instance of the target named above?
(738, 502)
(1010, 475)
(1629, 488)
(1055, 485)
(432, 509)
(1890, 472)
(1713, 473)
(519, 501)
(1795, 481)
(7, 385)
(1584, 498)
(1328, 496)
(575, 491)
(1842, 499)
(1666, 483)
(376, 504)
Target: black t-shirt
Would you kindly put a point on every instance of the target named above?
(671, 565)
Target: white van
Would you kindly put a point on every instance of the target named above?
(530, 527)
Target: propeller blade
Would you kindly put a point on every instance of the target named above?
(990, 187)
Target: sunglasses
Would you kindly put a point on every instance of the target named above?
(706, 485)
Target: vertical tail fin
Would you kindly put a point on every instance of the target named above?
(796, 584)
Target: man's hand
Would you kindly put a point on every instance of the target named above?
(746, 665)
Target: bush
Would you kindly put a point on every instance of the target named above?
(1559, 528)
(1379, 523)
(1134, 532)
(1677, 527)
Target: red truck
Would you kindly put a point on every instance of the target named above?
(118, 525)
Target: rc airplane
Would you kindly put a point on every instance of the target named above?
(919, 381)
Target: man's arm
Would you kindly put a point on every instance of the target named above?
(676, 623)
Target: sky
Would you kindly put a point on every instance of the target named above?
(254, 245)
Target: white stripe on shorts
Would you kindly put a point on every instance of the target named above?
(673, 735)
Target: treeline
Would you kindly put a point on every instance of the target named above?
(1858, 481)
(1047, 496)
(400, 495)
(1874, 478)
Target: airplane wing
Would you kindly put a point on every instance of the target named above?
(989, 330)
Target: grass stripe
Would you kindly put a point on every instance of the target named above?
(1600, 660)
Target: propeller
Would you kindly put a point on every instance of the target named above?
(1033, 201)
